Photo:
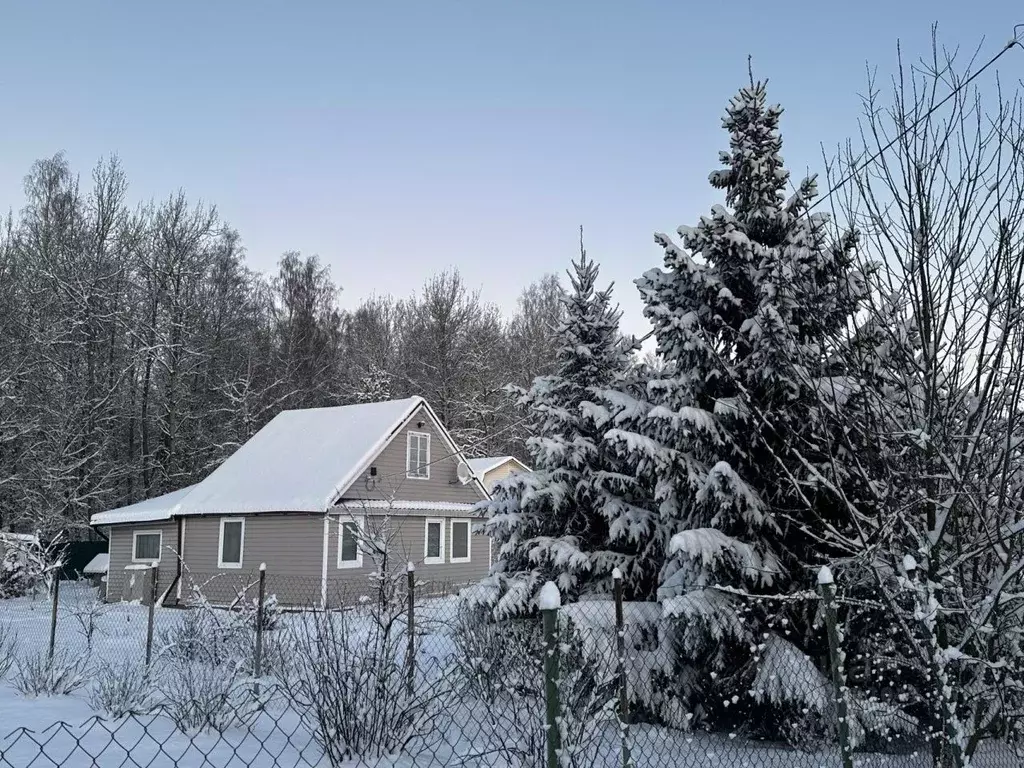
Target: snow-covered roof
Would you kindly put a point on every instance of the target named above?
(150, 510)
(301, 461)
(481, 467)
(98, 564)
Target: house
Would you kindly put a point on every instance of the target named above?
(324, 498)
(494, 468)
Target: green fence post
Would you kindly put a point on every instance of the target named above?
(620, 652)
(410, 630)
(826, 583)
(55, 598)
(152, 613)
(257, 661)
(550, 603)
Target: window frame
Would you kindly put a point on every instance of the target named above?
(451, 540)
(360, 523)
(427, 559)
(408, 446)
(241, 544)
(159, 547)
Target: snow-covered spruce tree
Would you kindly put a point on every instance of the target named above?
(755, 292)
(546, 524)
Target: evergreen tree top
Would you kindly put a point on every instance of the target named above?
(755, 179)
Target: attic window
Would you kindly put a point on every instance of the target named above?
(417, 462)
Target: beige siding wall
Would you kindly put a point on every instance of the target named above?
(391, 480)
(128, 584)
(500, 472)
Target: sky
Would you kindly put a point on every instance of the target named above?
(397, 139)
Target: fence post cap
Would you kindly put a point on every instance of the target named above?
(550, 598)
(263, 567)
(825, 576)
(410, 567)
(617, 574)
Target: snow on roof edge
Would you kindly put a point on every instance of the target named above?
(99, 564)
(146, 511)
(486, 464)
(426, 506)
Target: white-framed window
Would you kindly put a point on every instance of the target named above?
(232, 542)
(146, 546)
(350, 550)
(459, 541)
(433, 541)
(417, 456)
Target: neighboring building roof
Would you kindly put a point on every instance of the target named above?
(301, 461)
(98, 564)
(150, 510)
(481, 467)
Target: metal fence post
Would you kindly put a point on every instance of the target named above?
(550, 602)
(257, 662)
(410, 653)
(55, 599)
(152, 612)
(826, 583)
(620, 651)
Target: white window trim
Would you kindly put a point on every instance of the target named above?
(360, 522)
(408, 443)
(241, 543)
(469, 540)
(427, 560)
(135, 548)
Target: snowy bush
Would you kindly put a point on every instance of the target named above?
(86, 609)
(199, 696)
(38, 675)
(492, 655)
(278, 656)
(28, 564)
(351, 680)
(120, 689)
(14, 580)
(499, 669)
(206, 634)
(8, 649)
(249, 611)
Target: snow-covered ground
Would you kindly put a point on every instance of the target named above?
(51, 731)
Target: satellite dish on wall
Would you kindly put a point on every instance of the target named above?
(463, 472)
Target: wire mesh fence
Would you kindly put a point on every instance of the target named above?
(398, 672)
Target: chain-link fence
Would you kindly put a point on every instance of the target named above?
(407, 673)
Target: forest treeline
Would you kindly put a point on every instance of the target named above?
(138, 349)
